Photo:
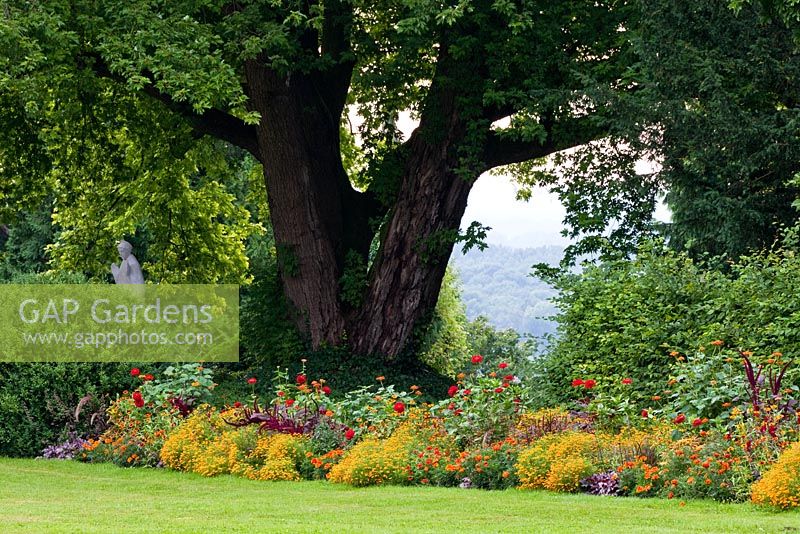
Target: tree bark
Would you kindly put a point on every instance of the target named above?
(416, 244)
(407, 275)
(315, 213)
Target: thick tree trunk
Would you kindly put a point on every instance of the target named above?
(416, 244)
(313, 209)
(317, 217)
(416, 247)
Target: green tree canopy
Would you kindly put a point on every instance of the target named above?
(109, 95)
(711, 105)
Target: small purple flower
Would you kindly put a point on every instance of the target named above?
(605, 483)
(66, 450)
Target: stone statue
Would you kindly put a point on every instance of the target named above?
(128, 271)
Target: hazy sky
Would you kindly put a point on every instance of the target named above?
(515, 223)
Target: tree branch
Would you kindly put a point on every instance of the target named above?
(335, 41)
(336, 28)
(495, 113)
(214, 122)
(561, 135)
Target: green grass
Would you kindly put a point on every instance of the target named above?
(61, 496)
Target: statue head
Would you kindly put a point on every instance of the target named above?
(124, 249)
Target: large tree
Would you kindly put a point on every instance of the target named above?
(491, 83)
(716, 109)
(724, 89)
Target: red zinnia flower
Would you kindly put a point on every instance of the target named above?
(645, 414)
(135, 372)
(508, 377)
(237, 404)
(680, 419)
(148, 377)
(452, 390)
(498, 390)
(466, 392)
(697, 422)
(451, 406)
(627, 381)
(138, 401)
(252, 380)
(349, 434)
(289, 402)
(502, 365)
(399, 407)
(476, 359)
(326, 390)
(577, 383)
(589, 384)
(301, 379)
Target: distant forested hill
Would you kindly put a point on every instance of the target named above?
(496, 284)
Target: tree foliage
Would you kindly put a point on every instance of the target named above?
(712, 111)
(111, 164)
(442, 343)
(110, 88)
(726, 87)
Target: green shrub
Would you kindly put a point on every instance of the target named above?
(38, 401)
(622, 318)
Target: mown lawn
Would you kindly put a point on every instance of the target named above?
(62, 496)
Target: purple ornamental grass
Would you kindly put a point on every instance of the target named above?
(761, 387)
